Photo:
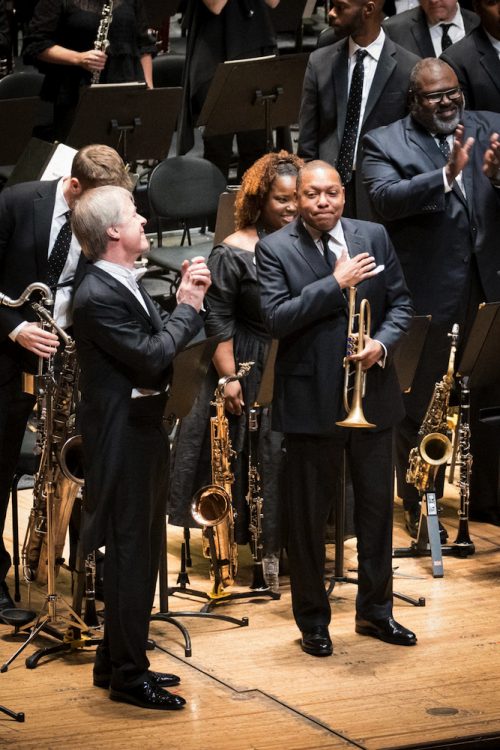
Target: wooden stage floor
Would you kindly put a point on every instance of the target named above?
(252, 688)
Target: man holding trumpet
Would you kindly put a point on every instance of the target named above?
(305, 271)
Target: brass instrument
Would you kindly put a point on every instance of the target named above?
(20, 301)
(434, 445)
(355, 344)
(212, 505)
(66, 473)
(101, 43)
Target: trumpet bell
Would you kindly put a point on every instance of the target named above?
(355, 418)
(211, 505)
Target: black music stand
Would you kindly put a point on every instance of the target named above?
(190, 368)
(405, 361)
(126, 117)
(260, 93)
(18, 118)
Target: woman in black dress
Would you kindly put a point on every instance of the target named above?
(265, 203)
(60, 42)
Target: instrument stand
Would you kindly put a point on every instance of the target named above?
(76, 634)
(338, 574)
(428, 540)
(18, 716)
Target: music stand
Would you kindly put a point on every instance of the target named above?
(190, 368)
(406, 360)
(18, 118)
(255, 94)
(126, 117)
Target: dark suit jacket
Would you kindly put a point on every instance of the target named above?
(25, 221)
(304, 307)
(435, 233)
(119, 348)
(324, 103)
(410, 30)
(476, 63)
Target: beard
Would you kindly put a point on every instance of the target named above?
(434, 123)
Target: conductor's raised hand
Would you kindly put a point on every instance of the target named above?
(350, 271)
(195, 281)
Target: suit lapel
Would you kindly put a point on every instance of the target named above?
(43, 208)
(353, 242)
(383, 71)
(421, 138)
(422, 36)
(307, 248)
(340, 81)
(155, 317)
(123, 292)
(488, 57)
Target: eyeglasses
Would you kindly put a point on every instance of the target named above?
(436, 97)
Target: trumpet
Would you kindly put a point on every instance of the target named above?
(355, 344)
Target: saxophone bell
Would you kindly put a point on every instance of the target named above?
(211, 505)
(355, 344)
(71, 460)
(436, 448)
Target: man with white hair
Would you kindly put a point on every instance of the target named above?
(126, 345)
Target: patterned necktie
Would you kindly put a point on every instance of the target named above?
(443, 146)
(59, 254)
(345, 158)
(446, 40)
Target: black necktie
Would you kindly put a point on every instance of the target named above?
(59, 254)
(443, 146)
(445, 38)
(345, 158)
(329, 255)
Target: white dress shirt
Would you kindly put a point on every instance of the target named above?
(455, 32)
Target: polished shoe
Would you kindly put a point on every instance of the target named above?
(147, 695)
(386, 629)
(6, 601)
(157, 679)
(412, 519)
(317, 641)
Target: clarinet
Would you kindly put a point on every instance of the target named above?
(101, 43)
(255, 502)
(463, 544)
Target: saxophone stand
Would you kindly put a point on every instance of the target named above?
(338, 574)
(18, 716)
(77, 634)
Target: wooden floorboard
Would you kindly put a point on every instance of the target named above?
(252, 688)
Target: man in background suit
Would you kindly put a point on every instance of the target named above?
(125, 346)
(32, 218)
(430, 28)
(476, 59)
(442, 213)
(329, 123)
(302, 294)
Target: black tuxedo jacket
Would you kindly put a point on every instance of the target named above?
(410, 30)
(119, 347)
(304, 307)
(324, 103)
(434, 232)
(476, 63)
(25, 222)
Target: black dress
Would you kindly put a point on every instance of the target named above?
(234, 313)
(74, 24)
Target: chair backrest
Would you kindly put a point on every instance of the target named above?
(20, 85)
(167, 70)
(224, 225)
(183, 187)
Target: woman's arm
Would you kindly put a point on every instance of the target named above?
(91, 60)
(224, 363)
(147, 69)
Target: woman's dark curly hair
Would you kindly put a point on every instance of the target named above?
(257, 182)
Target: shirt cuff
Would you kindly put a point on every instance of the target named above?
(13, 334)
(447, 188)
(381, 362)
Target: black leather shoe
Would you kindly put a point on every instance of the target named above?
(317, 641)
(157, 679)
(386, 629)
(6, 601)
(148, 695)
(412, 518)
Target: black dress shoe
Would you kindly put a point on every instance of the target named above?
(6, 601)
(412, 519)
(147, 695)
(317, 641)
(157, 679)
(386, 629)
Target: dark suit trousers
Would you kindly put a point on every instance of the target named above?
(313, 473)
(15, 408)
(134, 533)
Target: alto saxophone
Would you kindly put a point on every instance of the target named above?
(434, 446)
(212, 505)
(101, 43)
(66, 473)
